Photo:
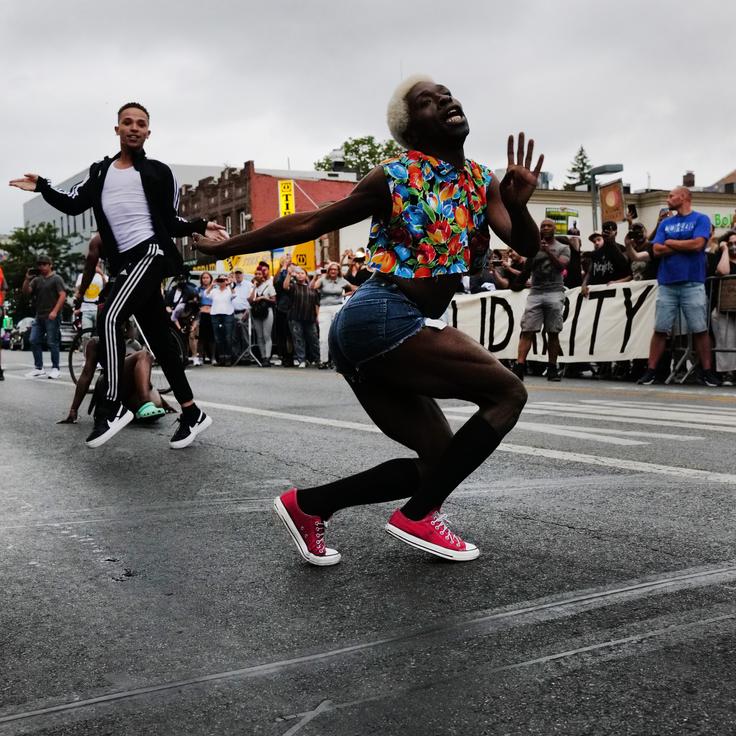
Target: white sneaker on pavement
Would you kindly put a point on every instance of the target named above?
(54, 373)
(36, 373)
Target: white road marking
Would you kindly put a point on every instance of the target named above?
(623, 420)
(578, 430)
(643, 413)
(575, 457)
(611, 415)
(622, 464)
(559, 430)
(698, 408)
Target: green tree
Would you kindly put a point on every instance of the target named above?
(362, 154)
(24, 246)
(579, 171)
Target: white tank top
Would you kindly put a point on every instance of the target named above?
(125, 207)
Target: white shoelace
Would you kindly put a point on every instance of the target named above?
(439, 522)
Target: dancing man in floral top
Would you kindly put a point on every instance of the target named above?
(431, 209)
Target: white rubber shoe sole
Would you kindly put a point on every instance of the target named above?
(331, 557)
(196, 430)
(471, 552)
(115, 427)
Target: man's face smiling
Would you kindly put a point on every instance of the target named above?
(435, 115)
(132, 128)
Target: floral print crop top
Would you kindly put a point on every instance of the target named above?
(436, 210)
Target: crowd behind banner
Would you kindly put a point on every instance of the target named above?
(283, 318)
(610, 298)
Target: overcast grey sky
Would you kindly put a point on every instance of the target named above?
(647, 84)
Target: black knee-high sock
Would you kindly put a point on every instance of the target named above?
(470, 446)
(386, 482)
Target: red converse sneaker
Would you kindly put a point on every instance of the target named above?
(308, 532)
(432, 535)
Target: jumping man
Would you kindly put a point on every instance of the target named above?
(135, 201)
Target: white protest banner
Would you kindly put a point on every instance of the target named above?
(615, 322)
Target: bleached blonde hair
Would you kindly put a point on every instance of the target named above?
(397, 113)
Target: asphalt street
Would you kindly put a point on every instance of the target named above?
(152, 591)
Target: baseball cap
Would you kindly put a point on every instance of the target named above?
(43, 259)
(593, 236)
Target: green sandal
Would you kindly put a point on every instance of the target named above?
(148, 411)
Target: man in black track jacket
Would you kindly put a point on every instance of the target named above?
(135, 202)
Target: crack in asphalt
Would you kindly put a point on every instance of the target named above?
(473, 624)
(595, 533)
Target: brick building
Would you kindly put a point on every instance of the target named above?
(248, 198)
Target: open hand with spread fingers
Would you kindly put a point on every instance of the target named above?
(520, 181)
(27, 183)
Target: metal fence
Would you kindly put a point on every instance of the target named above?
(722, 321)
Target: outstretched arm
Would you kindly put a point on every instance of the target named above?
(371, 197)
(508, 215)
(74, 202)
(178, 227)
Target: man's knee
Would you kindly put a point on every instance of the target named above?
(516, 394)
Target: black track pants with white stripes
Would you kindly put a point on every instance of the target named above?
(137, 291)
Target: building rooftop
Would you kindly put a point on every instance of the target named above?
(316, 175)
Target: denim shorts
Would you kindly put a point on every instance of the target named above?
(686, 300)
(377, 318)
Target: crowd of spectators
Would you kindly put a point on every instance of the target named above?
(611, 262)
(285, 319)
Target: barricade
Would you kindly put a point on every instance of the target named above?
(722, 321)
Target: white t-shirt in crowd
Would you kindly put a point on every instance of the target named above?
(264, 289)
(125, 207)
(222, 301)
(241, 292)
(92, 295)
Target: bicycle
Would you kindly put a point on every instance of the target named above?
(135, 340)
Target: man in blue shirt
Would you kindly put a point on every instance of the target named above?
(680, 244)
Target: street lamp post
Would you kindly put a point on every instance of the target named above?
(605, 169)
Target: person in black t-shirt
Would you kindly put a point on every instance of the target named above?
(607, 264)
(357, 273)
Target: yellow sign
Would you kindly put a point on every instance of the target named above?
(250, 261)
(303, 254)
(286, 197)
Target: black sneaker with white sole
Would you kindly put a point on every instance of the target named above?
(648, 378)
(188, 430)
(710, 378)
(109, 420)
